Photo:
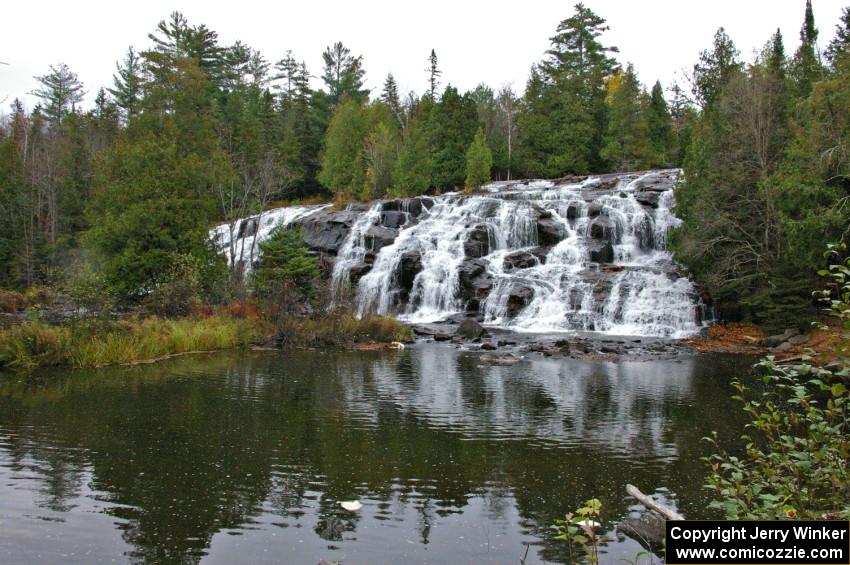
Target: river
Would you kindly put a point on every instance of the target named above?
(244, 458)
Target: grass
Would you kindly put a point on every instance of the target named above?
(337, 329)
(37, 344)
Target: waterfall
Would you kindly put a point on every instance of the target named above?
(239, 241)
(530, 256)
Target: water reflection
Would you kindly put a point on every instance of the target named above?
(245, 458)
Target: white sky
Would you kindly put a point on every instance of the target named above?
(493, 41)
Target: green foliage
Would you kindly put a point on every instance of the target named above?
(452, 124)
(626, 145)
(797, 444)
(342, 159)
(412, 173)
(479, 161)
(285, 266)
(578, 529)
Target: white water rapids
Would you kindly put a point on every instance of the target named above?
(594, 258)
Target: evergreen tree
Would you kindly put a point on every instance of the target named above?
(60, 91)
(433, 75)
(412, 172)
(806, 66)
(343, 160)
(479, 161)
(452, 123)
(343, 74)
(128, 83)
(389, 96)
(285, 266)
(659, 129)
(774, 55)
(626, 146)
(715, 68)
(840, 44)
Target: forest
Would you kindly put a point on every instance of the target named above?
(116, 201)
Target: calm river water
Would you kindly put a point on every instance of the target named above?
(244, 458)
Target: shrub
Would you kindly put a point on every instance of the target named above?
(797, 444)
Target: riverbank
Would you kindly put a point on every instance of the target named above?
(100, 343)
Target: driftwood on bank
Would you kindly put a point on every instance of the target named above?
(668, 513)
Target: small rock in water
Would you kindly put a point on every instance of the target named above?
(488, 346)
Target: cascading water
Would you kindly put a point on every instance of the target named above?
(239, 241)
(535, 256)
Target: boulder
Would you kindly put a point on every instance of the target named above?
(594, 209)
(519, 260)
(648, 198)
(378, 237)
(327, 231)
(541, 253)
(654, 182)
(601, 251)
(477, 243)
(409, 266)
(603, 227)
(393, 219)
(549, 230)
(519, 296)
(573, 211)
(470, 329)
(475, 281)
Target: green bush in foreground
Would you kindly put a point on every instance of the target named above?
(797, 444)
(36, 344)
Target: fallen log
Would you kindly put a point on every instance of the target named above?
(668, 513)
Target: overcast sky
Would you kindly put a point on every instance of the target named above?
(494, 42)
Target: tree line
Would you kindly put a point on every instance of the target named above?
(192, 132)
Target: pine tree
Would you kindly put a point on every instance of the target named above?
(774, 53)
(659, 128)
(128, 83)
(343, 168)
(806, 65)
(716, 66)
(389, 96)
(479, 161)
(60, 91)
(285, 266)
(451, 124)
(840, 45)
(343, 74)
(412, 172)
(433, 75)
(626, 146)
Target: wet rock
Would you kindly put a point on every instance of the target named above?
(648, 198)
(541, 253)
(573, 211)
(393, 219)
(654, 182)
(477, 242)
(519, 296)
(409, 266)
(327, 231)
(505, 343)
(470, 329)
(594, 209)
(378, 237)
(549, 231)
(604, 227)
(519, 260)
(601, 251)
(474, 280)
(441, 337)
(487, 346)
